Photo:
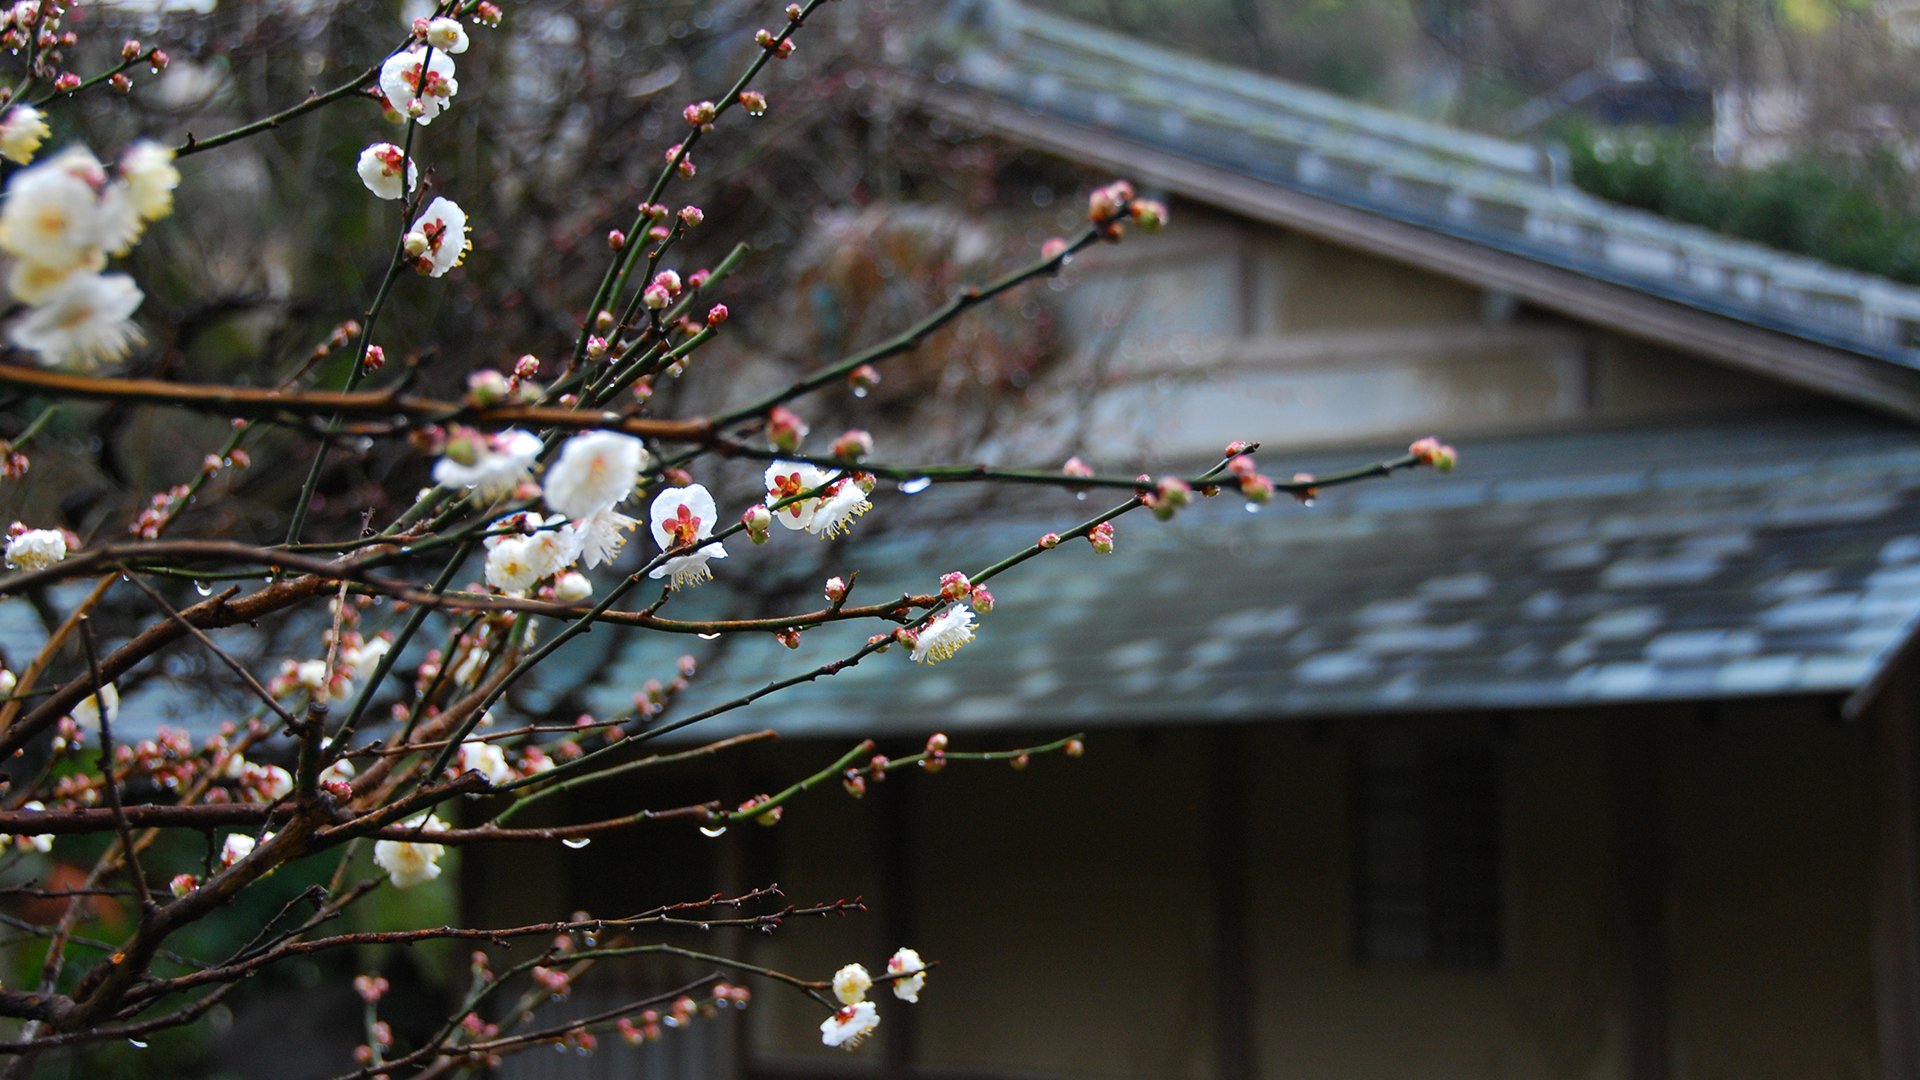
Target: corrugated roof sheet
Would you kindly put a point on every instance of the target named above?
(1493, 192)
(1731, 559)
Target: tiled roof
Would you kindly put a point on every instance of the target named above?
(1775, 556)
(1495, 193)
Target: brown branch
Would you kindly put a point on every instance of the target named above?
(364, 404)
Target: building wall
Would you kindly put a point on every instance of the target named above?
(1222, 324)
(1073, 906)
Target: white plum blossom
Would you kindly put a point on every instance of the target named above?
(400, 81)
(943, 636)
(86, 712)
(595, 470)
(22, 132)
(601, 535)
(572, 587)
(407, 862)
(786, 479)
(83, 321)
(273, 782)
(31, 282)
(438, 240)
(851, 983)
(904, 962)
(36, 549)
(513, 564)
(683, 516)
(486, 759)
(340, 772)
(120, 225)
(836, 512)
(360, 660)
(312, 676)
(379, 169)
(447, 35)
(51, 215)
(850, 1025)
(150, 175)
(237, 847)
(499, 462)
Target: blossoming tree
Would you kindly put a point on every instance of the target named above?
(392, 712)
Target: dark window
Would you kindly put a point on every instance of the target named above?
(1427, 854)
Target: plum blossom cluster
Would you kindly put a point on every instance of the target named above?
(61, 221)
(857, 1018)
(416, 85)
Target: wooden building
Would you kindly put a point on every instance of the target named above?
(1593, 759)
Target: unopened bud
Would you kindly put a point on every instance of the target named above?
(596, 348)
(757, 520)
(853, 445)
(1150, 215)
(129, 48)
(1074, 748)
(486, 387)
(1174, 491)
(415, 244)
(158, 61)
(1049, 541)
(855, 784)
(754, 102)
(603, 322)
(1102, 538)
(1053, 248)
(1431, 451)
(677, 477)
(699, 114)
(785, 430)
(527, 366)
(936, 743)
(863, 379)
(67, 82)
(1257, 488)
(120, 83)
(954, 586)
(183, 884)
(1076, 467)
(376, 358)
(717, 315)
(982, 600)
(1242, 466)
(789, 638)
(656, 297)
(572, 587)
(691, 216)
(698, 279)
(836, 590)
(616, 239)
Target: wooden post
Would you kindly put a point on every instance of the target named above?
(1895, 935)
(1232, 939)
(1644, 887)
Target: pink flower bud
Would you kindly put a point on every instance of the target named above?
(527, 366)
(488, 13)
(158, 61)
(1242, 466)
(1305, 494)
(698, 279)
(656, 297)
(754, 102)
(120, 83)
(1150, 215)
(855, 784)
(596, 348)
(784, 429)
(1256, 488)
(686, 168)
(1049, 541)
(936, 743)
(717, 315)
(1236, 448)
(863, 379)
(699, 114)
(659, 232)
(691, 216)
(853, 445)
(1053, 248)
(183, 884)
(1019, 762)
(982, 600)
(1431, 451)
(616, 239)
(376, 358)
(668, 280)
(677, 477)
(907, 637)
(836, 590)
(1076, 467)
(486, 387)
(954, 586)
(1102, 538)
(1074, 748)
(67, 82)
(420, 27)
(129, 48)
(758, 519)
(789, 638)
(1174, 491)
(603, 322)
(763, 38)
(793, 13)
(1109, 202)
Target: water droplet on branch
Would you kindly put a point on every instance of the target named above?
(721, 831)
(915, 486)
(578, 842)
